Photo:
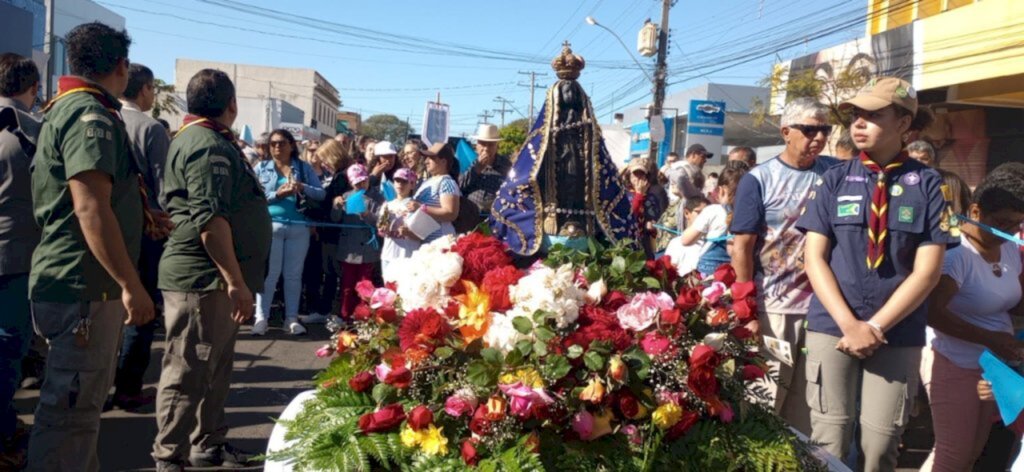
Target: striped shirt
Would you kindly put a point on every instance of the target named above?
(430, 193)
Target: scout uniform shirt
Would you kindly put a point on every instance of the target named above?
(918, 214)
(207, 176)
(82, 132)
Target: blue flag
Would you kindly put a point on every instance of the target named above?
(1007, 386)
(355, 205)
(466, 155)
(388, 190)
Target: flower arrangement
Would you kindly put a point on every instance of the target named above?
(587, 360)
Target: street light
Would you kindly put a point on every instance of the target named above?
(593, 22)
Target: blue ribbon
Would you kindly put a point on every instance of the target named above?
(317, 224)
(1002, 234)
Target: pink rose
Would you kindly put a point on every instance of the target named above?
(714, 292)
(324, 351)
(641, 312)
(633, 433)
(382, 298)
(365, 289)
(523, 399)
(583, 424)
(382, 370)
(657, 344)
(460, 403)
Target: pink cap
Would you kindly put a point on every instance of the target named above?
(406, 174)
(356, 173)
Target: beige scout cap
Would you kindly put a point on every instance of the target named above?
(882, 92)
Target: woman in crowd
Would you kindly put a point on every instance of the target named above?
(970, 311)
(358, 246)
(383, 170)
(287, 182)
(712, 224)
(647, 198)
(866, 322)
(438, 196)
(412, 158)
(399, 242)
(320, 277)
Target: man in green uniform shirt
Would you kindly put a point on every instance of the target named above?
(215, 259)
(83, 280)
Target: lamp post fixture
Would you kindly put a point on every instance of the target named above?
(593, 22)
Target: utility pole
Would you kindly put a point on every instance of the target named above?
(48, 49)
(661, 72)
(533, 86)
(484, 116)
(502, 110)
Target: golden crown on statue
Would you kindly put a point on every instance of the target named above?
(567, 65)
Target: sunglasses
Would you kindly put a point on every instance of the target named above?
(810, 131)
(278, 143)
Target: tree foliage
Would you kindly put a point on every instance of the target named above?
(166, 102)
(830, 91)
(386, 128)
(513, 135)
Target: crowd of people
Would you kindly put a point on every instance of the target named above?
(868, 284)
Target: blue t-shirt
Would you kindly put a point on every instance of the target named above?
(284, 208)
(918, 215)
(769, 200)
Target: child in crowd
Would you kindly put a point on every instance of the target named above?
(358, 247)
(712, 224)
(399, 242)
(685, 257)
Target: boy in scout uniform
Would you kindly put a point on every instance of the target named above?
(215, 259)
(83, 282)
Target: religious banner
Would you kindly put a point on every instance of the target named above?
(435, 123)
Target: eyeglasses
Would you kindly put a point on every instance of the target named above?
(811, 131)
(278, 143)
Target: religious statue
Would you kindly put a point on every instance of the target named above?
(563, 186)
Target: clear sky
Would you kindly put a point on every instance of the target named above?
(389, 56)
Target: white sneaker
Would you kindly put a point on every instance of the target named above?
(335, 323)
(296, 329)
(313, 318)
(259, 328)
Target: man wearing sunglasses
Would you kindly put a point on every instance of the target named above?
(769, 249)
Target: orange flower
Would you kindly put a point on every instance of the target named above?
(594, 392)
(346, 339)
(474, 312)
(495, 408)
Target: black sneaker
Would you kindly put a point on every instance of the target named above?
(164, 466)
(221, 456)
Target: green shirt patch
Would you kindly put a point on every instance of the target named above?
(905, 214)
(848, 209)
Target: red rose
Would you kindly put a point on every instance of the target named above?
(361, 382)
(741, 290)
(741, 333)
(452, 310)
(670, 317)
(420, 417)
(387, 315)
(752, 372)
(663, 269)
(480, 425)
(657, 344)
(423, 329)
(688, 299)
(703, 356)
(629, 405)
(745, 309)
(480, 254)
(399, 377)
(614, 300)
(468, 450)
(362, 312)
(496, 283)
(702, 382)
(689, 419)
(384, 419)
(725, 274)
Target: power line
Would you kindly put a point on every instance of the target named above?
(504, 102)
(484, 116)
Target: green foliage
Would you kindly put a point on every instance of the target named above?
(622, 265)
(386, 127)
(513, 135)
(831, 91)
(165, 101)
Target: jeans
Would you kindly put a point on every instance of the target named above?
(287, 257)
(15, 336)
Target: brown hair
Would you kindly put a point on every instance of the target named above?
(958, 190)
(334, 155)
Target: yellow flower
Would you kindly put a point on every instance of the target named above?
(602, 424)
(410, 437)
(529, 377)
(617, 369)
(474, 312)
(594, 392)
(667, 415)
(433, 442)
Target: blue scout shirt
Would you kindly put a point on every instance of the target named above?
(918, 215)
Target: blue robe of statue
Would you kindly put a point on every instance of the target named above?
(522, 216)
